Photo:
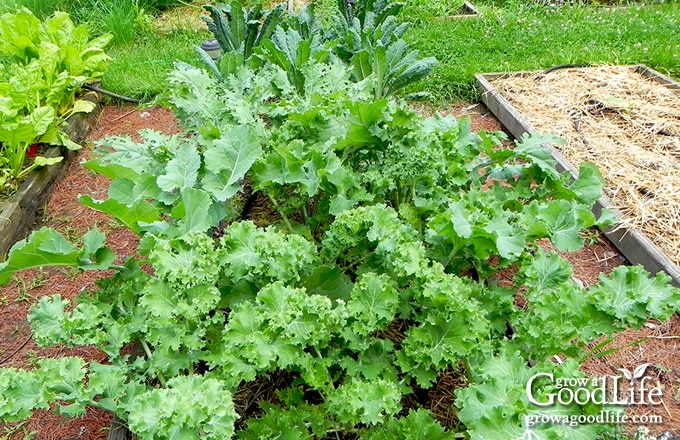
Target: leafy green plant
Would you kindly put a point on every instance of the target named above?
(371, 43)
(44, 65)
(374, 47)
(289, 51)
(375, 11)
(40, 8)
(391, 68)
(372, 278)
(239, 31)
(321, 302)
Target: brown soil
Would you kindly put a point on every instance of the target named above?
(66, 214)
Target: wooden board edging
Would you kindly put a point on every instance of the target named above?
(633, 244)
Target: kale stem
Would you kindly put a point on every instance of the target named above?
(304, 212)
(147, 350)
(283, 214)
(452, 254)
(468, 369)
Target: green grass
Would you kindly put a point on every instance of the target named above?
(509, 36)
(41, 8)
(124, 19)
(538, 37)
(140, 69)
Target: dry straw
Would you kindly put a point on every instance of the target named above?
(628, 124)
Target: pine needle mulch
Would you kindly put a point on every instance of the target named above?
(627, 124)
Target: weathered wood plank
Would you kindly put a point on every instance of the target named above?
(634, 245)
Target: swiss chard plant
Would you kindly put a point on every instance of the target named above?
(43, 66)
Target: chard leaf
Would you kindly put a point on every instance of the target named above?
(64, 140)
(18, 132)
(18, 34)
(42, 161)
(83, 106)
(42, 118)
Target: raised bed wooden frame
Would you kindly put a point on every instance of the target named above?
(633, 244)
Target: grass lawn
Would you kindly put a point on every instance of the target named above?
(508, 36)
(520, 37)
(140, 69)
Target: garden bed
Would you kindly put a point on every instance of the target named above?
(66, 214)
(625, 119)
(19, 213)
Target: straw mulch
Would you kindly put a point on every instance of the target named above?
(627, 124)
